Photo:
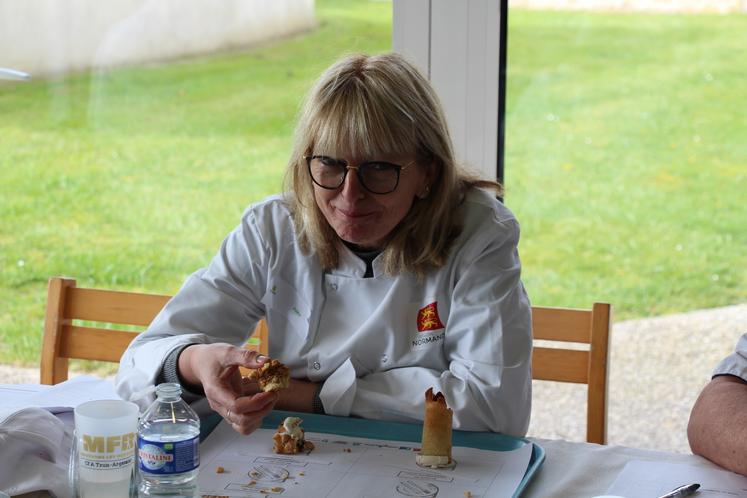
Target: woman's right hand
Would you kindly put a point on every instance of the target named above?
(215, 367)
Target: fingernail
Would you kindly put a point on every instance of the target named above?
(262, 358)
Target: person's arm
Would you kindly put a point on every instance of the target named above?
(718, 423)
(298, 397)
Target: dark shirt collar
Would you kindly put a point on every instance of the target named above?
(366, 255)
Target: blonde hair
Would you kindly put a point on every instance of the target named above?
(380, 105)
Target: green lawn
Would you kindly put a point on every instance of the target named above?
(626, 158)
(131, 179)
(625, 161)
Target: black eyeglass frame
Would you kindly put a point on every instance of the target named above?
(397, 168)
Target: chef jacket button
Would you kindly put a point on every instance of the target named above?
(333, 287)
(384, 358)
(317, 365)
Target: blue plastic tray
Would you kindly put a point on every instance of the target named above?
(396, 431)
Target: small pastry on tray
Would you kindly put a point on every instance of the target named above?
(289, 438)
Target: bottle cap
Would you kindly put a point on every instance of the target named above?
(169, 390)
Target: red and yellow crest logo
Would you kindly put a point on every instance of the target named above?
(428, 318)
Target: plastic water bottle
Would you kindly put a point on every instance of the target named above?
(168, 440)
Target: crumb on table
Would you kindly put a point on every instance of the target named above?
(220, 470)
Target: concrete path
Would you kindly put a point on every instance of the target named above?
(657, 368)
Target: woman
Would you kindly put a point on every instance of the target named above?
(384, 270)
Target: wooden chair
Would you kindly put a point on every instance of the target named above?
(572, 365)
(67, 304)
(66, 338)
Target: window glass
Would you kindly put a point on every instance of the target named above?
(126, 174)
(625, 164)
(625, 157)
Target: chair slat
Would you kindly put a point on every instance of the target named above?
(53, 368)
(91, 343)
(561, 324)
(597, 397)
(561, 365)
(113, 306)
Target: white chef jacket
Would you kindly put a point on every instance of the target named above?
(735, 363)
(377, 343)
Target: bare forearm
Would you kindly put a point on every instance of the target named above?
(718, 423)
(299, 397)
(184, 366)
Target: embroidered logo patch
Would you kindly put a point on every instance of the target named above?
(428, 318)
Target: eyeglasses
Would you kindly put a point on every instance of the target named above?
(378, 177)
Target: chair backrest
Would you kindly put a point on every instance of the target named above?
(66, 338)
(573, 365)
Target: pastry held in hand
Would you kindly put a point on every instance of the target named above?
(272, 376)
(435, 449)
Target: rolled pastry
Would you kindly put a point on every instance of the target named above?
(436, 444)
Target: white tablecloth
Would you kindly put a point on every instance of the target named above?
(578, 470)
(584, 470)
(570, 469)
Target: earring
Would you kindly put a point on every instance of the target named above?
(426, 192)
